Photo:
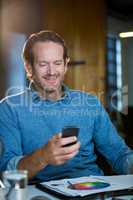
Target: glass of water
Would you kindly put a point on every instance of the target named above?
(15, 182)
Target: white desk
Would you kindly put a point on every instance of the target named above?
(33, 191)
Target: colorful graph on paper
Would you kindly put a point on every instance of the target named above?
(89, 185)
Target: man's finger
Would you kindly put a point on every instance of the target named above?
(68, 156)
(67, 140)
(70, 149)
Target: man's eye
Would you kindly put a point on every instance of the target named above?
(58, 63)
(43, 65)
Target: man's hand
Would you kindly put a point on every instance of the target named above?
(52, 153)
(55, 154)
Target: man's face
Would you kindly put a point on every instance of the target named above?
(49, 66)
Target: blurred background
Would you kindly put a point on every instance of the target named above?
(101, 61)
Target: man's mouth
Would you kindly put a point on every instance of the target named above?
(51, 80)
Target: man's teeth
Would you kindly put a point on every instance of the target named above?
(50, 79)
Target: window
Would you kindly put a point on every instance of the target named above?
(16, 74)
(114, 74)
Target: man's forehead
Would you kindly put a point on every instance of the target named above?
(47, 51)
(47, 45)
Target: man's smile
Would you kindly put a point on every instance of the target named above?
(51, 79)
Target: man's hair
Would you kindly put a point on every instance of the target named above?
(42, 36)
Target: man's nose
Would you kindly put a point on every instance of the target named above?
(51, 69)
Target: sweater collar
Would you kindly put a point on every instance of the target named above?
(36, 97)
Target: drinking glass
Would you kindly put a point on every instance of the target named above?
(15, 182)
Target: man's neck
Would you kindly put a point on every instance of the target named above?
(52, 95)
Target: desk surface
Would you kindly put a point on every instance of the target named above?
(33, 191)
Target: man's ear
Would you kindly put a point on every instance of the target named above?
(67, 61)
(28, 69)
(66, 64)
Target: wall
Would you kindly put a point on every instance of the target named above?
(115, 26)
(82, 24)
(16, 17)
(127, 46)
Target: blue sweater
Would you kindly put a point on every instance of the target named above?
(27, 122)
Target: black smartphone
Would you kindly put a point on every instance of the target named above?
(69, 131)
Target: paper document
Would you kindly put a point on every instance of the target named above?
(90, 185)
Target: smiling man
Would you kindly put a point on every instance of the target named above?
(48, 63)
(31, 122)
(48, 69)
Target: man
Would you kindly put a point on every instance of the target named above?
(31, 122)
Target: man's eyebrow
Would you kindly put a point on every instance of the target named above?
(58, 60)
(42, 61)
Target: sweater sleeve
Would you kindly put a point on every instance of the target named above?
(11, 137)
(111, 145)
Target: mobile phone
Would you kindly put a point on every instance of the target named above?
(69, 131)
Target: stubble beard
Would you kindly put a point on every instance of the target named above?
(47, 91)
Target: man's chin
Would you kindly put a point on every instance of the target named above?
(50, 89)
